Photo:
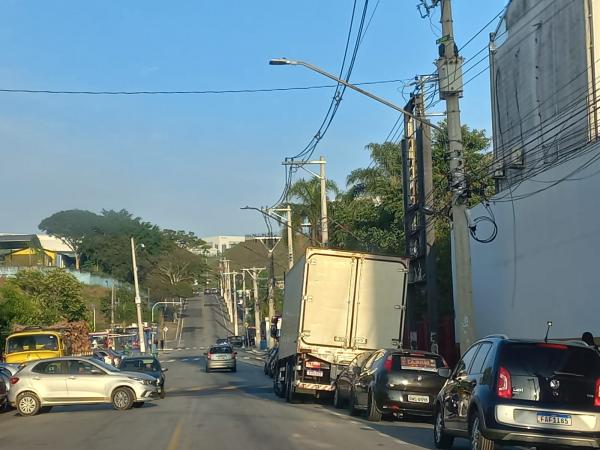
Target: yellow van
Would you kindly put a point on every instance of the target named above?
(30, 345)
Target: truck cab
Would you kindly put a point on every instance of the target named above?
(30, 345)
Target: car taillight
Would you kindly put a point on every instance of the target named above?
(504, 389)
(554, 346)
(13, 380)
(208, 356)
(387, 365)
(234, 355)
(597, 393)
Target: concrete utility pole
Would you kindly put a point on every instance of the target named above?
(234, 304)
(324, 219)
(451, 87)
(273, 241)
(112, 308)
(290, 231)
(323, 178)
(138, 300)
(227, 288)
(254, 273)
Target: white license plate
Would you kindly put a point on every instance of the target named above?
(220, 357)
(314, 373)
(418, 399)
(554, 419)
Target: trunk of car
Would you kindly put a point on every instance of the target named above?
(552, 373)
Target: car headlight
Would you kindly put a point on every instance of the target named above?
(143, 381)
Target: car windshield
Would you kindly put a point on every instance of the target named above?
(548, 360)
(221, 349)
(30, 342)
(140, 365)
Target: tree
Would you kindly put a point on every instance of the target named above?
(71, 226)
(308, 195)
(175, 272)
(186, 240)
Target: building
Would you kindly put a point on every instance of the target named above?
(542, 265)
(218, 244)
(35, 250)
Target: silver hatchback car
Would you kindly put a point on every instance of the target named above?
(221, 357)
(75, 381)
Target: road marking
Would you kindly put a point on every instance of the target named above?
(195, 348)
(246, 357)
(174, 441)
(228, 388)
(184, 359)
(197, 359)
(187, 348)
(170, 360)
(202, 348)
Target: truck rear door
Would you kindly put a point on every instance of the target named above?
(379, 303)
(326, 320)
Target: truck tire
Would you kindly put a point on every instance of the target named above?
(352, 405)
(290, 394)
(278, 389)
(373, 414)
(338, 403)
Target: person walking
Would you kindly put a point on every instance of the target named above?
(162, 344)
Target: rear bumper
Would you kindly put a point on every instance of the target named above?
(527, 437)
(215, 364)
(397, 401)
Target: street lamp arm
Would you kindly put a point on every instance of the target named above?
(284, 61)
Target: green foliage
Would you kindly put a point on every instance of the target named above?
(125, 310)
(36, 297)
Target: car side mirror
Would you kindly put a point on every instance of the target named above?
(444, 372)
(96, 372)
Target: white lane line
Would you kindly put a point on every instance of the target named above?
(201, 348)
(195, 348)
(197, 359)
(246, 357)
(184, 359)
(170, 360)
(187, 348)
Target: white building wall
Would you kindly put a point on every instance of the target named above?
(218, 244)
(544, 263)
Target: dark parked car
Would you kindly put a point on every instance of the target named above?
(206, 291)
(107, 355)
(393, 381)
(148, 365)
(222, 341)
(521, 392)
(270, 360)
(346, 379)
(214, 291)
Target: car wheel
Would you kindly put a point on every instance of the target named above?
(353, 410)
(163, 394)
(122, 398)
(337, 399)
(440, 438)
(478, 441)
(373, 414)
(45, 409)
(137, 404)
(28, 404)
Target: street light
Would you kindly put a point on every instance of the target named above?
(138, 300)
(291, 62)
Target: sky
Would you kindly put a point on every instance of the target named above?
(192, 161)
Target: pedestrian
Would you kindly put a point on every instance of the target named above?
(588, 338)
(162, 344)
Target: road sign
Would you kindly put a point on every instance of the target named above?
(442, 39)
(165, 329)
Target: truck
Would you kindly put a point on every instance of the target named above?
(337, 304)
(61, 339)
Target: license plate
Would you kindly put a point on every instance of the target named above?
(554, 419)
(314, 373)
(418, 398)
(220, 357)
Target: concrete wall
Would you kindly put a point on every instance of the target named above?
(540, 83)
(544, 263)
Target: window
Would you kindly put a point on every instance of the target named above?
(372, 359)
(32, 342)
(465, 362)
(77, 367)
(358, 362)
(480, 358)
(221, 349)
(49, 368)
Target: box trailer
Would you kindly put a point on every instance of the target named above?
(337, 304)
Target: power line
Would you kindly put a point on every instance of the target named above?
(192, 92)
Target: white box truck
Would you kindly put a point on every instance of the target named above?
(337, 304)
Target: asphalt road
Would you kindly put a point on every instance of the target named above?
(217, 410)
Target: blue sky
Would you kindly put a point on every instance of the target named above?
(190, 162)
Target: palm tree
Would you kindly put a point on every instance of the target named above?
(307, 194)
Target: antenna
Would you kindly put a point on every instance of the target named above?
(548, 324)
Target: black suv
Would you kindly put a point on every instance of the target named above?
(521, 392)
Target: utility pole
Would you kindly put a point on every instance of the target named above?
(254, 273)
(324, 219)
(290, 231)
(451, 87)
(273, 241)
(138, 300)
(234, 303)
(112, 308)
(323, 178)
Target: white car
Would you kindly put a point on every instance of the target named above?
(74, 381)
